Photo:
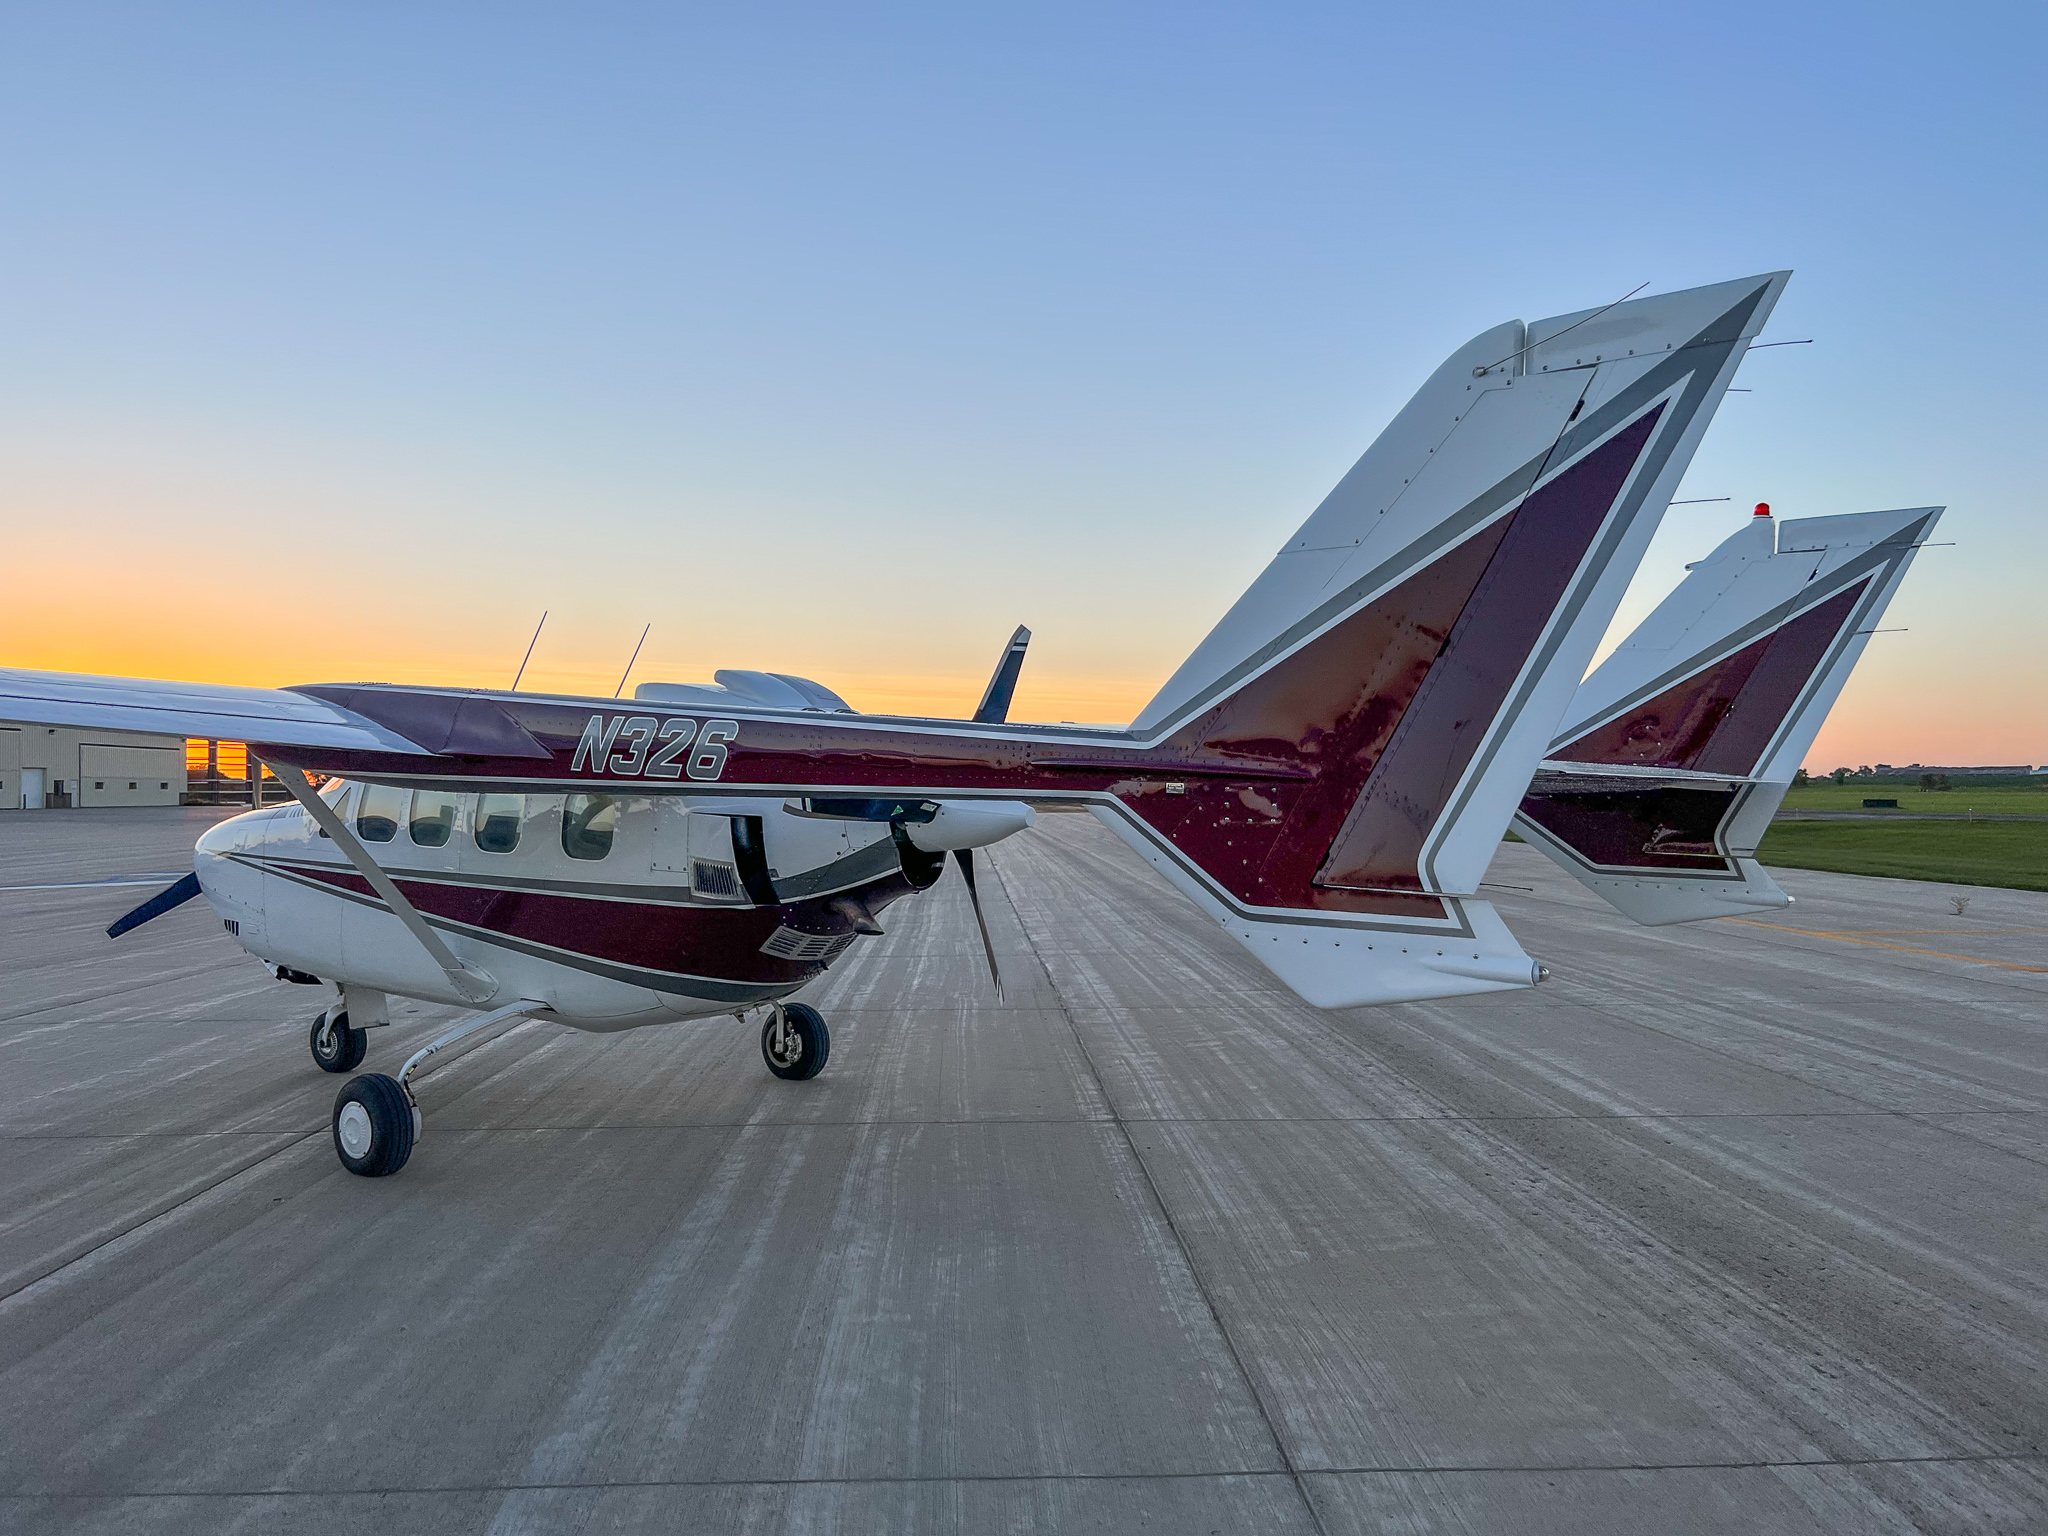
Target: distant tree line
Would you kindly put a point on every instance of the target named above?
(1929, 781)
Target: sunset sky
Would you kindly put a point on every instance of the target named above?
(340, 343)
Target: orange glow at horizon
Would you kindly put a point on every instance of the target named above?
(1948, 726)
(1862, 729)
(240, 570)
(1934, 702)
(274, 656)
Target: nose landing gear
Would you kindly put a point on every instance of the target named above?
(795, 1042)
(336, 1047)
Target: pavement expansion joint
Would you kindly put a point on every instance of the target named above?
(1165, 1215)
(1749, 1063)
(504, 1126)
(137, 1231)
(889, 1480)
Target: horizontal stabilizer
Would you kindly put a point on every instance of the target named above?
(1342, 965)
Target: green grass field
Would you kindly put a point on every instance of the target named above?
(2008, 853)
(2002, 800)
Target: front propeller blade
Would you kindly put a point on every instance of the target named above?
(966, 858)
(157, 905)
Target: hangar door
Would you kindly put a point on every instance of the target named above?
(130, 775)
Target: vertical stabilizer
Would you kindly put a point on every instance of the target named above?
(1002, 683)
(1395, 675)
(1679, 749)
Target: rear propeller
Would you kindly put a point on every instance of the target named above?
(966, 858)
(994, 709)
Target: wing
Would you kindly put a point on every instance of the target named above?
(283, 716)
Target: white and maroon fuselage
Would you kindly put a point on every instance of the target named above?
(735, 873)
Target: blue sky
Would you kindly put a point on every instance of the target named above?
(342, 342)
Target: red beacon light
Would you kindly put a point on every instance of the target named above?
(1763, 509)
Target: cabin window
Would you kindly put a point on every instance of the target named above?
(497, 822)
(335, 793)
(588, 822)
(433, 818)
(378, 813)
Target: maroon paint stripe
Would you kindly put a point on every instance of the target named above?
(1545, 543)
(1722, 718)
(692, 941)
(1664, 829)
(1333, 706)
(475, 727)
(1249, 769)
(1789, 662)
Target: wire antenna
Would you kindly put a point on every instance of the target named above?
(630, 660)
(529, 650)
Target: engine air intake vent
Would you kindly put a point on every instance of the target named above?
(718, 880)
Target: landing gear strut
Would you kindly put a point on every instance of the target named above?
(336, 1047)
(376, 1118)
(795, 1042)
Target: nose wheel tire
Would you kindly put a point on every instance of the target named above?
(336, 1047)
(798, 1049)
(374, 1126)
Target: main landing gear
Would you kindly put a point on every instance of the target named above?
(375, 1125)
(795, 1042)
(376, 1118)
(336, 1047)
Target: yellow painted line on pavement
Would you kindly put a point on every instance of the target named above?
(1939, 954)
(1903, 933)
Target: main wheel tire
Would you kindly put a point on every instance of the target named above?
(373, 1126)
(346, 1047)
(808, 1048)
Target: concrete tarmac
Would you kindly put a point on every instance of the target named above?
(1731, 1227)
